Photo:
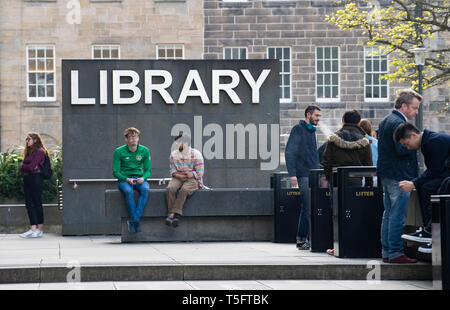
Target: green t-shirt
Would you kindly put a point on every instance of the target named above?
(127, 163)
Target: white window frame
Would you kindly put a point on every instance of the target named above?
(284, 100)
(366, 99)
(45, 47)
(169, 46)
(233, 48)
(105, 46)
(338, 72)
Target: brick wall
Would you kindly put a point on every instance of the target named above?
(260, 24)
(136, 25)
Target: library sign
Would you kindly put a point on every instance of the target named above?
(230, 108)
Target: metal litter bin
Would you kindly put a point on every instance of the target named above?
(321, 234)
(357, 214)
(441, 241)
(287, 205)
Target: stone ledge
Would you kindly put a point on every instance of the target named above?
(41, 104)
(183, 272)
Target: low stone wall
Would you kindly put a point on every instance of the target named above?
(208, 215)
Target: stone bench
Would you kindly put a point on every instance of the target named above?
(220, 214)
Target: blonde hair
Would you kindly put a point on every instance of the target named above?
(131, 131)
(366, 126)
(38, 144)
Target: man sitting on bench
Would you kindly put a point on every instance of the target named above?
(186, 168)
(128, 162)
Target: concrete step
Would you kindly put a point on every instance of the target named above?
(54, 258)
(100, 273)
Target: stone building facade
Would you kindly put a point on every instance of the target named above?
(319, 63)
(259, 25)
(137, 27)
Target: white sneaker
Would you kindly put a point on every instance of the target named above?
(41, 233)
(27, 234)
(36, 234)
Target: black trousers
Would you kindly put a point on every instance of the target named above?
(425, 192)
(33, 187)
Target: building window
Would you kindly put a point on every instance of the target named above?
(41, 73)
(170, 52)
(235, 53)
(327, 74)
(284, 55)
(105, 52)
(375, 66)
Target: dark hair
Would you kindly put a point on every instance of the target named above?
(183, 137)
(351, 117)
(406, 96)
(404, 130)
(311, 109)
(366, 126)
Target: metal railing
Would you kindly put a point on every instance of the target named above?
(161, 181)
(59, 194)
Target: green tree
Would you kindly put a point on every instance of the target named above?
(398, 26)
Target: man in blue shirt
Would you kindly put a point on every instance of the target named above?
(301, 156)
(435, 148)
(396, 163)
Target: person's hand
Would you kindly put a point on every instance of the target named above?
(189, 175)
(406, 186)
(293, 181)
(180, 175)
(140, 180)
(131, 181)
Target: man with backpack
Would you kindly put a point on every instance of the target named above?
(435, 148)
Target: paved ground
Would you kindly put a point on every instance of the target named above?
(227, 285)
(54, 250)
(108, 250)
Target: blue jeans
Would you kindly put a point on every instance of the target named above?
(135, 210)
(394, 216)
(303, 220)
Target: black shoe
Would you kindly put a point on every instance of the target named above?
(137, 227)
(175, 220)
(303, 245)
(425, 249)
(169, 220)
(420, 236)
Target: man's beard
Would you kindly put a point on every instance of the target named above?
(312, 122)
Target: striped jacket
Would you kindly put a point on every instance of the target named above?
(192, 162)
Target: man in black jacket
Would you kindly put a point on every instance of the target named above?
(435, 148)
(396, 163)
(301, 155)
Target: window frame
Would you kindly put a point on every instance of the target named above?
(235, 47)
(284, 100)
(36, 47)
(380, 99)
(328, 100)
(173, 46)
(110, 46)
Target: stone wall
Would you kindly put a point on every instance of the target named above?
(136, 25)
(204, 28)
(301, 25)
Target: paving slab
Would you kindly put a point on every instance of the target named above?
(105, 258)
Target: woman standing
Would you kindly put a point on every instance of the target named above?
(370, 134)
(34, 156)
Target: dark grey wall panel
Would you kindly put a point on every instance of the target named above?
(92, 132)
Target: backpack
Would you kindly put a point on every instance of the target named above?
(46, 170)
